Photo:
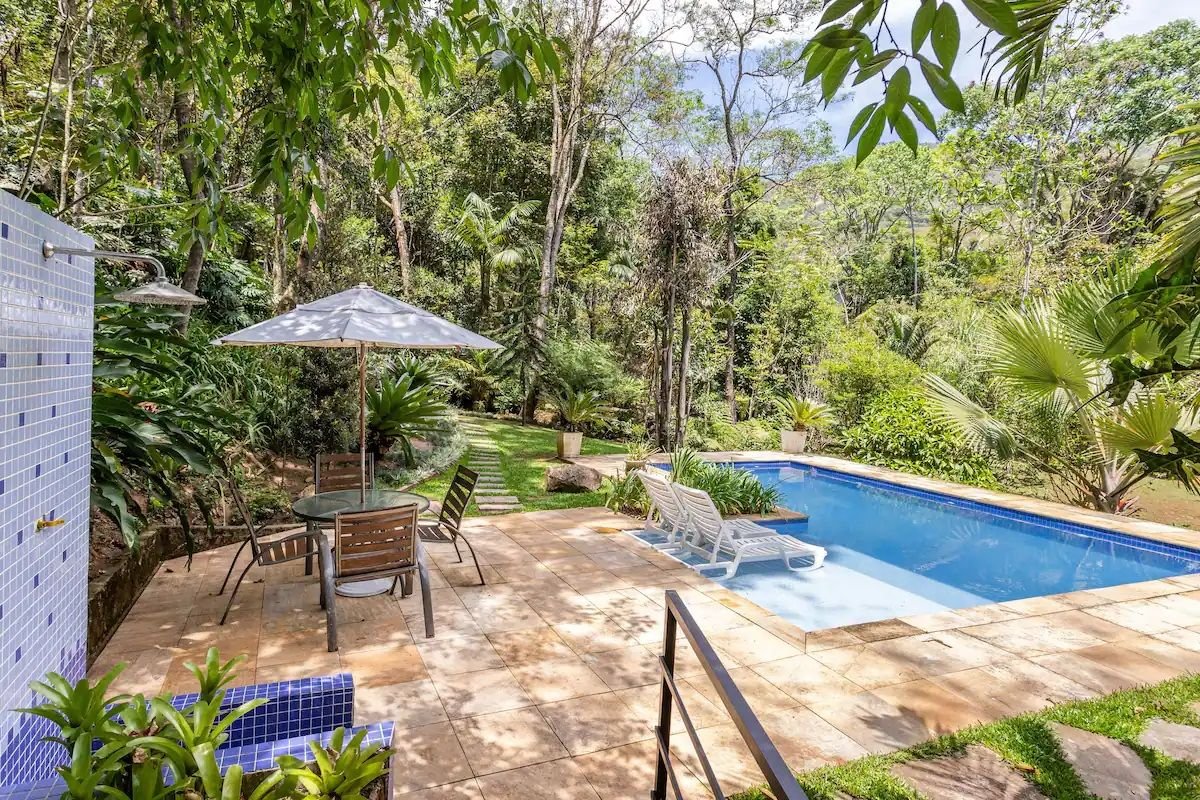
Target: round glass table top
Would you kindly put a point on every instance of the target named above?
(323, 507)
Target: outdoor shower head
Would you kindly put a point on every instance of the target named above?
(159, 291)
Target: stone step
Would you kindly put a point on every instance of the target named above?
(1109, 769)
(499, 499)
(500, 507)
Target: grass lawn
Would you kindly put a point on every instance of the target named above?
(1027, 743)
(526, 453)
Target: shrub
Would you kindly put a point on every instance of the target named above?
(899, 430)
(859, 371)
(397, 411)
(733, 491)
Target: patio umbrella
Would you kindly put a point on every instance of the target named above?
(360, 317)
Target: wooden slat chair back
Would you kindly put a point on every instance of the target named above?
(370, 545)
(448, 526)
(265, 551)
(335, 472)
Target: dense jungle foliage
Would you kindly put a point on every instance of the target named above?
(667, 232)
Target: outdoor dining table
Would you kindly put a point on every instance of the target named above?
(323, 507)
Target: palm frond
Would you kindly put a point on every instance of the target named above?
(1146, 423)
(979, 428)
(1030, 351)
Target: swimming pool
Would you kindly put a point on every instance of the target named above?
(895, 551)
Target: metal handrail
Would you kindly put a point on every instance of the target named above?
(783, 784)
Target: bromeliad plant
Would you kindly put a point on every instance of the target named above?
(399, 410)
(124, 747)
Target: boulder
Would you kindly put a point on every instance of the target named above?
(572, 478)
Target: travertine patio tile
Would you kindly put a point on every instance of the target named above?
(1125, 659)
(784, 630)
(600, 580)
(1182, 610)
(1177, 658)
(431, 756)
(483, 692)
(530, 646)
(804, 679)
(1080, 599)
(595, 722)
(468, 576)
(938, 621)
(752, 644)
(553, 780)
(447, 655)
(866, 667)
(939, 653)
(463, 790)
(370, 634)
(516, 615)
(623, 773)
(808, 742)
(1135, 591)
(980, 615)
(594, 636)
(1087, 672)
(1033, 606)
(871, 721)
(548, 681)
(1012, 687)
(1181, 637)
(713, 617)
(728, 755)
(507, 740)
(941, 710)
(625, 668)
(1051, 633)
(319, 662)
(1143, 616)
(884, 629)
(384, 666)
(409, 705)
(644, 702)
(815, 641)
(762, 695)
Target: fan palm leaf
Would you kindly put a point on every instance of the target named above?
(1145, 423)
(1031, 353)
(978, 427)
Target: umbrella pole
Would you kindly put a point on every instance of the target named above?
(362, 420)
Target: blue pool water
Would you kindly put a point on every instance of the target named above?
(895, 552)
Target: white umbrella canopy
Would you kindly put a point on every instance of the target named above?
(360, 317)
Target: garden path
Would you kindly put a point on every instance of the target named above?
(492, 494)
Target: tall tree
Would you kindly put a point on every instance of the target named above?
(763, 116)
(490, 235)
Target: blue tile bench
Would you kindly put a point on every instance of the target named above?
(298, 711)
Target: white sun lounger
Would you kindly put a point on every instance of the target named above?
(672, 519)
(742, 539)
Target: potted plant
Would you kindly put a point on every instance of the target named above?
(802, 414)
(575, 411)
(638, 454)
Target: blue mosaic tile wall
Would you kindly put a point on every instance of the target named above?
(300, 707)
(45, 412)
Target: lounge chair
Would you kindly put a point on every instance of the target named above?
(672, 517)
(742, 539)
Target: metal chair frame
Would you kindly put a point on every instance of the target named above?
(448, 525)
(371, 545)
(287, 546)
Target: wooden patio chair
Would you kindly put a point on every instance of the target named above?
(448, 526)
(266, 549)
(334, 472)
(370, 545)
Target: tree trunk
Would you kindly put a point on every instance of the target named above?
(485, 288)
(403, 259)
(64, 73)
(685, 357)
(731, 258)
(662, 418)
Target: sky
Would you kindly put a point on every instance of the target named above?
(1139, 16)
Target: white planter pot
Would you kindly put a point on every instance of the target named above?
(569, 444)
(793, 441)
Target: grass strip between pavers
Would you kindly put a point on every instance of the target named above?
(1027, 744)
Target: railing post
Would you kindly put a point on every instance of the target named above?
(664, 703)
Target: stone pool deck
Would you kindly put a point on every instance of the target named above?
(543, 684)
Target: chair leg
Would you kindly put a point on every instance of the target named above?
(308, 559)
(457, 552)
(233, 564)
(474, 557)
(233, 594)
(327, 588)
(426, 598)
(395, 581)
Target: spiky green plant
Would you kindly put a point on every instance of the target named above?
(397, 411)
(340, 771)
(577, 410)
(802, 413)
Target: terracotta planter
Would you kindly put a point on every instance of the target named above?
(793, 441)
(569, 444)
